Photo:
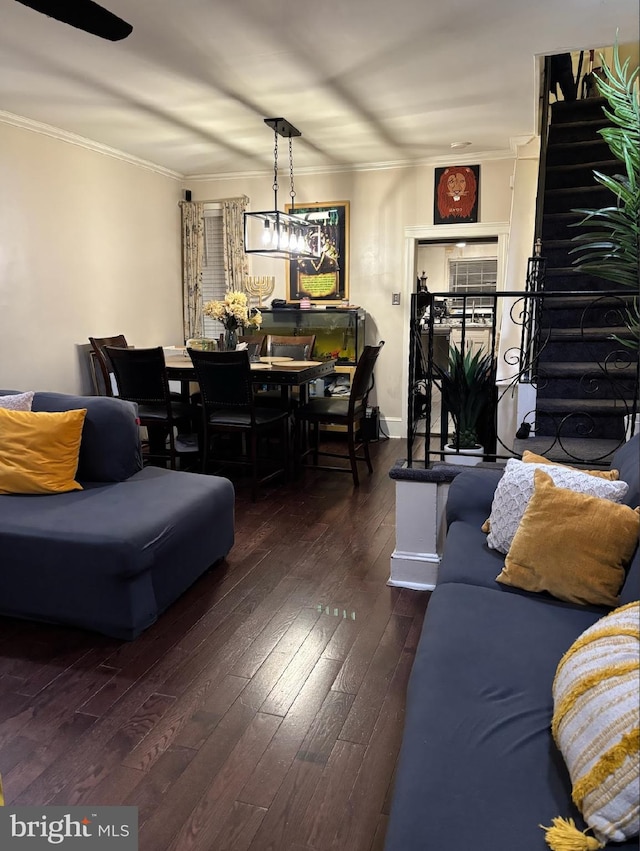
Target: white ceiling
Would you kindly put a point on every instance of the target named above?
(366, 81)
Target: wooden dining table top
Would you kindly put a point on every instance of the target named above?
(276, 371)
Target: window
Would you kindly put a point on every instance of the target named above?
(213, 281)
(473, 278)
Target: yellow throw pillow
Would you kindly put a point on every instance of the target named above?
(573, 545)
(532, 458)
(596, 702)
(39, 451)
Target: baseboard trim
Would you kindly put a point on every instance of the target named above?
(412, 570)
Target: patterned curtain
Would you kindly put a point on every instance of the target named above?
(236, 267)
(192, 251)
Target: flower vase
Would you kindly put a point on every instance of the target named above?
(230, 339)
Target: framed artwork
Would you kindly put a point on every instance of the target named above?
(325, 279)
(456, 192)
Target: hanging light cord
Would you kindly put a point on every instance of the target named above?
(292, 191)
(275, 170)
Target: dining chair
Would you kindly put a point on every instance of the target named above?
(141, 376)
(256, 343)
(296, 347)
(348, 411)
(229, 406)
(98, 345)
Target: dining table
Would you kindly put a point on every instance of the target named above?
(281, 371)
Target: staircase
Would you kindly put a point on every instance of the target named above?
(586, 380)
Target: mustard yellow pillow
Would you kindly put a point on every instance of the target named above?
(39, 451)
(532, 458)
(573, 545)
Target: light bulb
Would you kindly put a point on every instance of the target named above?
(266, 233)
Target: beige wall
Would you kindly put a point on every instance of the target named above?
(382, 204)
(89, 245)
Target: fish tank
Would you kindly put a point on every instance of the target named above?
(339, 331)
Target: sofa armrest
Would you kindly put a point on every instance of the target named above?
(471, 494)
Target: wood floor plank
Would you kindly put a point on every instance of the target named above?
(280, 825)
(270, 771)
(200, 830)
(239, 827)
(364, 713)
(320, 823)
(358, 825)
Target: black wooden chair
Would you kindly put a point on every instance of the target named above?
(348, 411)
(296, 347)
(141, 376)
(228, 406)
(98, 345)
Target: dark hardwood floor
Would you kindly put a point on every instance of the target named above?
(264, 710)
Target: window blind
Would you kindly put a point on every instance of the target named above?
(473, 278)
(213, 282)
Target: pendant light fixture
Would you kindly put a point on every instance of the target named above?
(274, 233)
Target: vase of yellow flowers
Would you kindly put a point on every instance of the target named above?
(234, 313)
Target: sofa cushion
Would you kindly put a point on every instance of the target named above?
(596, 723)
(573, 545)
(515, 489)
(110, 449)
(126, 550)
(39, 451)
(478, 768)
(17, 401)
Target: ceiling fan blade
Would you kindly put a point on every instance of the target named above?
(84, 15)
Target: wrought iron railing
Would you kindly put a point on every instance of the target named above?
(600, 389)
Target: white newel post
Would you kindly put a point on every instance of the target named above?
(420, 529)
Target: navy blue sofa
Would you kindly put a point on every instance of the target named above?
(478, 768)
(114, 555)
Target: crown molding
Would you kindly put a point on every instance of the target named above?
(440, 160)
(71, 138)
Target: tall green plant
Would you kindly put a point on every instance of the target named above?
(610, 246)
(466, 385)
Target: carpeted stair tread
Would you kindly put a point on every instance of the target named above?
(591, 150)
(572, 369)
(563, 111)
(564, 302)
(591, 451)
(598, 165)
(595, 333)
(579, 175)
(594, 407)
(576, 131)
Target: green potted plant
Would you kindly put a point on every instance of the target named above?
(609, 243)
(466, 387)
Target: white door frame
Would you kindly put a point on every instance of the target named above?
(489, 230)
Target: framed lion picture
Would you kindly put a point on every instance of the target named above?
(456, 193)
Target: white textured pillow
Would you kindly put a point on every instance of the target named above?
(595, 723)
(515, 489)
(17, 401)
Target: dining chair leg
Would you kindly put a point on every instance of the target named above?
(352, 453)
(367, 457)
(315, 437)
(254, 464)
(206, 439)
